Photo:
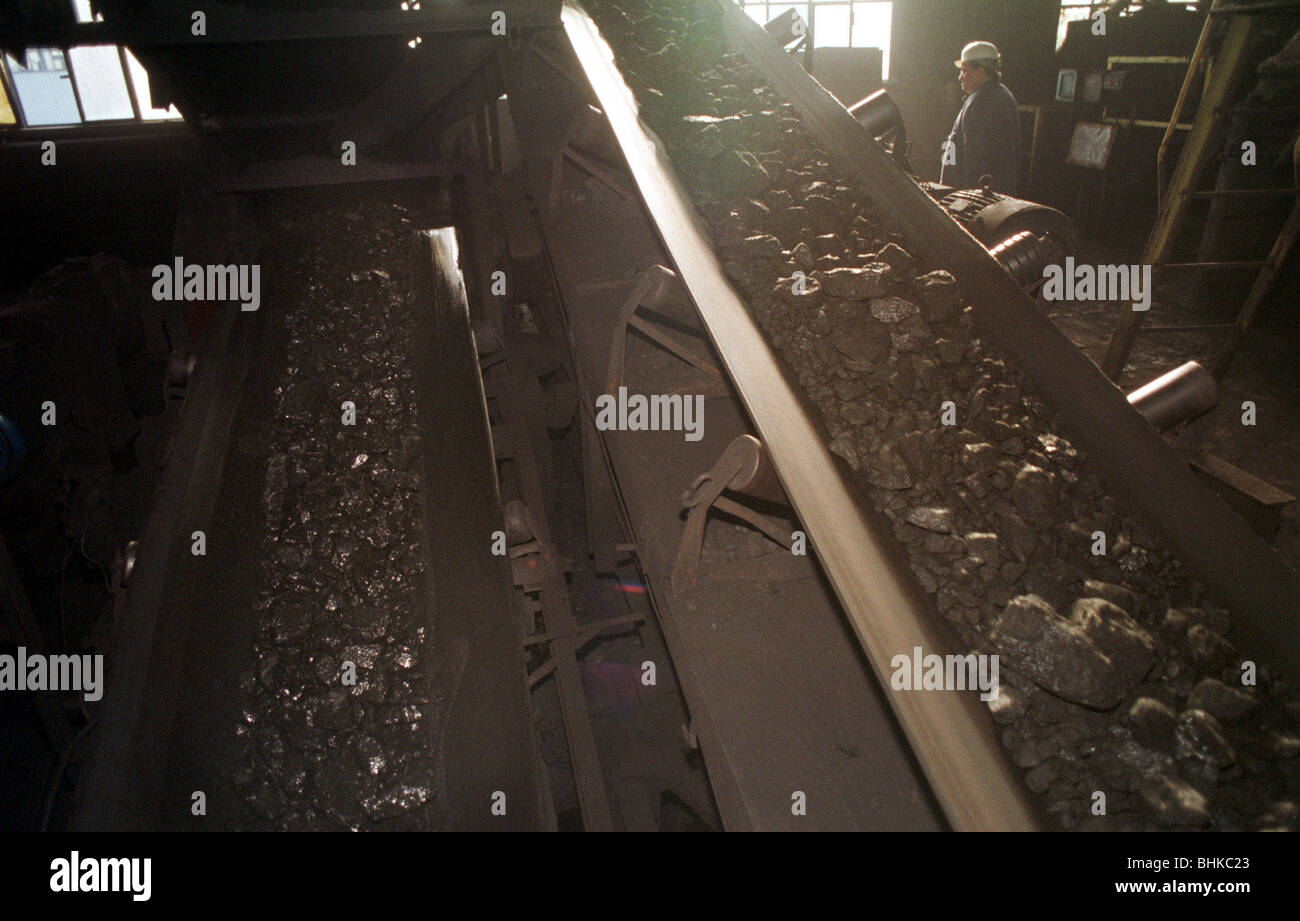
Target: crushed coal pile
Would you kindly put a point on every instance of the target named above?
(1119, 673)
(340, 711)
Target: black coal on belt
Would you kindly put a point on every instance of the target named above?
(1117, 674)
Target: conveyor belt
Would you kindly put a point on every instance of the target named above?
(779, 694)
(1130, 455)
(952, 739)
(327, 543)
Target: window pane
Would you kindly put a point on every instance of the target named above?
(81, 8)
(44, 88)
(831, 30)
(757, 12)
(100, 82)
(871, 29)
(140, 80)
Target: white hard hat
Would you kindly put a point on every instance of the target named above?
(978, 52)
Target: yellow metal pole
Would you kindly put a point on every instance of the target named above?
(1183, 93)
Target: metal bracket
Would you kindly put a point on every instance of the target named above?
(745, 468)
(650, 292)
(588, 162)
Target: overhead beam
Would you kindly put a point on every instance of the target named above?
(158, 25)
(315, 171)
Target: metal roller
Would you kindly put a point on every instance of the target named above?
(879, 114)
(1025, 255)
(659, 280)
(1177, 396)
(756, 477)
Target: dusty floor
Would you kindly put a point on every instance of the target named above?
(1266, 371)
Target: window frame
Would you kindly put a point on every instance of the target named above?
(21, 122)
(766, 6)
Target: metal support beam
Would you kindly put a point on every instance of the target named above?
(1263, 284)
(127, 756)
(313, 171)
(488, 744)
(589, 778)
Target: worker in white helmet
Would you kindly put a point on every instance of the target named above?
(985, 138)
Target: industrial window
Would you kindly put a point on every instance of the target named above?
(69, 86)
(1073, 10)
(837, 24)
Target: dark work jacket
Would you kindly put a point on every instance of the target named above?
(985, 140)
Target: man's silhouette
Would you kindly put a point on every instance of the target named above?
(985, 139)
